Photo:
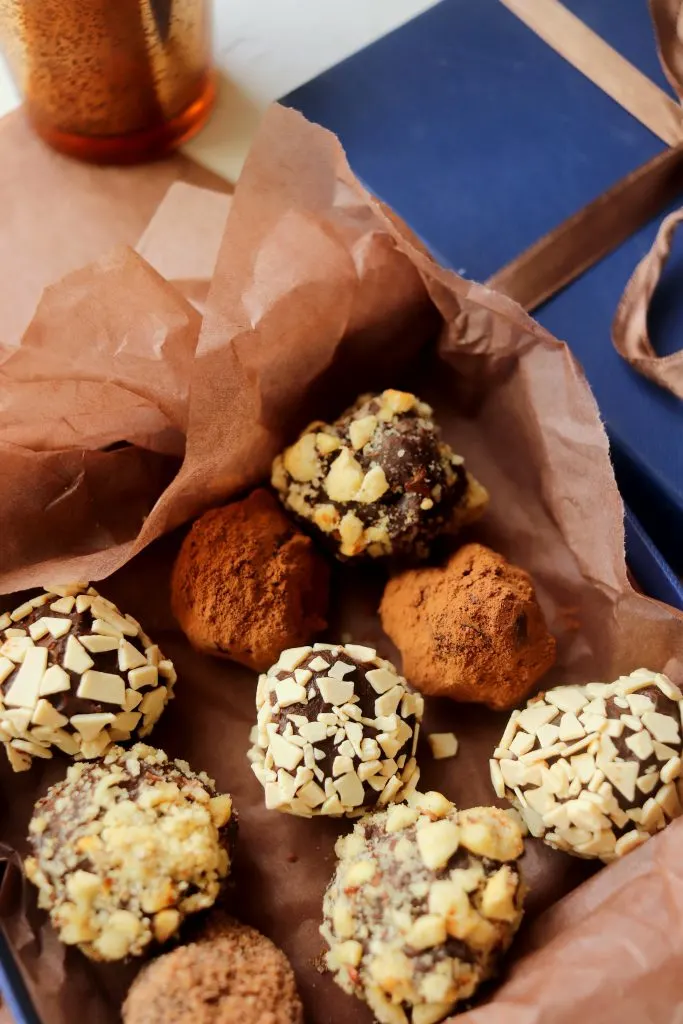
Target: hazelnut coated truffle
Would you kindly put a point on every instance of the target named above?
(234, 975)
(595, 770)
(76, 675)
(247, 583)
(471, 630)
(124, 849)
(424, 901)
(336, 731)
(379, 480)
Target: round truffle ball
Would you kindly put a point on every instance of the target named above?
(471, 630)
(424, 901)
(378, 481)
(76, 675)
(336, 731)
(125, 848)
(247, 583)
(595, 770)
(233, 976)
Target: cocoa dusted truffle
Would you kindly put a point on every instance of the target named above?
(378, 481)
(76, 675)
(424, 902)
(247, 583)
(471, 630)
(336, 731)
(125, 848)
(595, 770)
(233, 975)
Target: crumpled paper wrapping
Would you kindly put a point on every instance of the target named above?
(630, 328)
(186, 258)
(319, 293)
(59, 213)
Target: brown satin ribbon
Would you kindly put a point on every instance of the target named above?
(565, 253)
(581, 241)
(629, 331)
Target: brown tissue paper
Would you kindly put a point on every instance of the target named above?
(630, 328)
(58, 213)
(319, 293)
(183, 237)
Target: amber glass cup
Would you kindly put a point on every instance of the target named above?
(111, 81)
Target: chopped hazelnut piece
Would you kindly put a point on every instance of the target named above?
(15, 648)
(102, 686)
(98, 644)
(24, 689)
(361, 430)
(90, 725)
(55, 680)
(437, 842)
(301, 460)
(7, 667)
(46, 714)
(129, 657)
(76, 658)
(56, 627)
(148, 675)
(443, 744)
(22, 611)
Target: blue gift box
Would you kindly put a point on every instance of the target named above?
(483, 138)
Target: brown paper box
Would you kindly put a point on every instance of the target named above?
(318, 294)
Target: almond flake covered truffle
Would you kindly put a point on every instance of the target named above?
(125, 848)
(336, 731)
(424, 901)
(378, 481)
(76, 675)
(595, 770)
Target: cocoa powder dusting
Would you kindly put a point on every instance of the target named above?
(247, 583)
(471, 630)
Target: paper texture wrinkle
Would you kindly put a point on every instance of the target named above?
(630, 331)
(509, 398)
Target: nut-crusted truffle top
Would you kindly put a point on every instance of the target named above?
(336, 731)
(379, 480)
(595, 769)
(424, 901)
(76, 675)
(127, 847)
(234, 975)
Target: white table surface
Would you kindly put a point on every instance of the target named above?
(264, 49)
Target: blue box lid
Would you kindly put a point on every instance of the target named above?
(484, 139)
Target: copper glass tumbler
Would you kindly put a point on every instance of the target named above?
(112, 81)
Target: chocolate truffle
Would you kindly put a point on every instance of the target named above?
(595, 769)
(424, 901)
(336, 731)
(247, 583)
(125, 848)
(233, 976)
(76, 675)
(471, 630)
(378, 481)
